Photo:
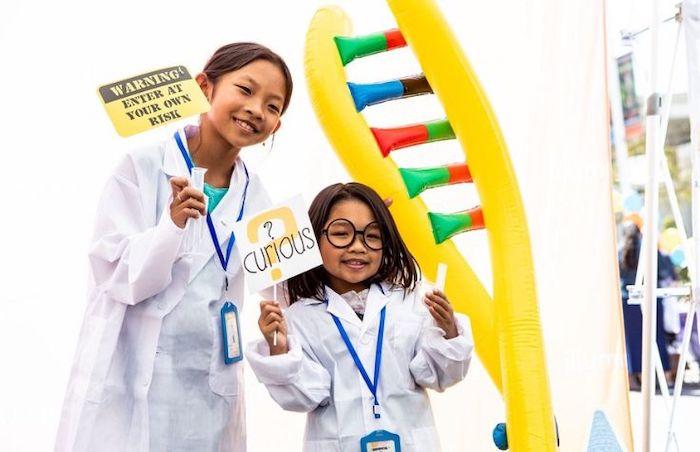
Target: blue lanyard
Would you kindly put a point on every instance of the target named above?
(377, 357)
(212, 230)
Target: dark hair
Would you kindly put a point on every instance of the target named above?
(232, 57)
(398, 266)
(631, 243)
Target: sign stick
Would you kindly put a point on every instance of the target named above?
(274, 297)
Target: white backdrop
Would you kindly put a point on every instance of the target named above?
(542, 67)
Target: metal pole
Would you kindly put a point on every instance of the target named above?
(692, 51)
(650, 232)
(665, 171)
(680, 373)
(692, 43)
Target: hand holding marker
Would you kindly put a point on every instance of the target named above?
(196, 227)
(186, 202)
(439, 306)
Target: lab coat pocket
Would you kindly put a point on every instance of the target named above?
(224, 379)
(404, 340)
(425, 438)
(322, 446)
(404, 337)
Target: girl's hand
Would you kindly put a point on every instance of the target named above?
(271, 320)
(187, 202)
(442, 312)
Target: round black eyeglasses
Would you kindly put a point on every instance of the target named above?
(341, 233)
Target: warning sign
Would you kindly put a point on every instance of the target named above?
(151, 100)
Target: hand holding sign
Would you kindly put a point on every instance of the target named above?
(274, 246)
(273, 327)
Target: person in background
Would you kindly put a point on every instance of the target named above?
(628, 261)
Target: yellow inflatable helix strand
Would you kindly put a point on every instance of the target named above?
(507, 330)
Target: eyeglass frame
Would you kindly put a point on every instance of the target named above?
(355, 232)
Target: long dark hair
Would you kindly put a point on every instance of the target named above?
(631, 243)
(232, 57)
(398, 266)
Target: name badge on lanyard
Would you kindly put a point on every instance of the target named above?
(380, 441)
(230, 325)
(231, 332)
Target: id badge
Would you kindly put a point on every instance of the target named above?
(231, 333)
(380, 441)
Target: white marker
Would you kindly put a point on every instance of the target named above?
(441, 277)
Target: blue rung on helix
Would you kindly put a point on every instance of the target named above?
(374, 93)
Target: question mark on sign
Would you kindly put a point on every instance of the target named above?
(290, 225)
(268, 226)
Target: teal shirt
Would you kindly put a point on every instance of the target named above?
(215, 195)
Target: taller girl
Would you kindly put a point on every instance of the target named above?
(150, 371)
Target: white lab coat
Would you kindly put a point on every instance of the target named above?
(139, 273)
(318, 374)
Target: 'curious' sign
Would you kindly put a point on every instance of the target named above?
(150, 100)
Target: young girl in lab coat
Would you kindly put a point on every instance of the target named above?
(150, 372)
(361, 343)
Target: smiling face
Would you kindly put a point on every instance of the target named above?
(246, 104)
(349, 267)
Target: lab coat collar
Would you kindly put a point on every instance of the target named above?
(173, 163)
(311, 301)
(377, 298)
(341, 309)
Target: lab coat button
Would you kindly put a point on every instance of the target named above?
(365, 339)
(160, 306)
(146, 382)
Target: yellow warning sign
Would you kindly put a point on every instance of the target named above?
(151, 100)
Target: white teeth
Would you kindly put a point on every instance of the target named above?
(245, 125)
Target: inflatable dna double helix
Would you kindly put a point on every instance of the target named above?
(506, 328)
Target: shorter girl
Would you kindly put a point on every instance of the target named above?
(362, 348)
